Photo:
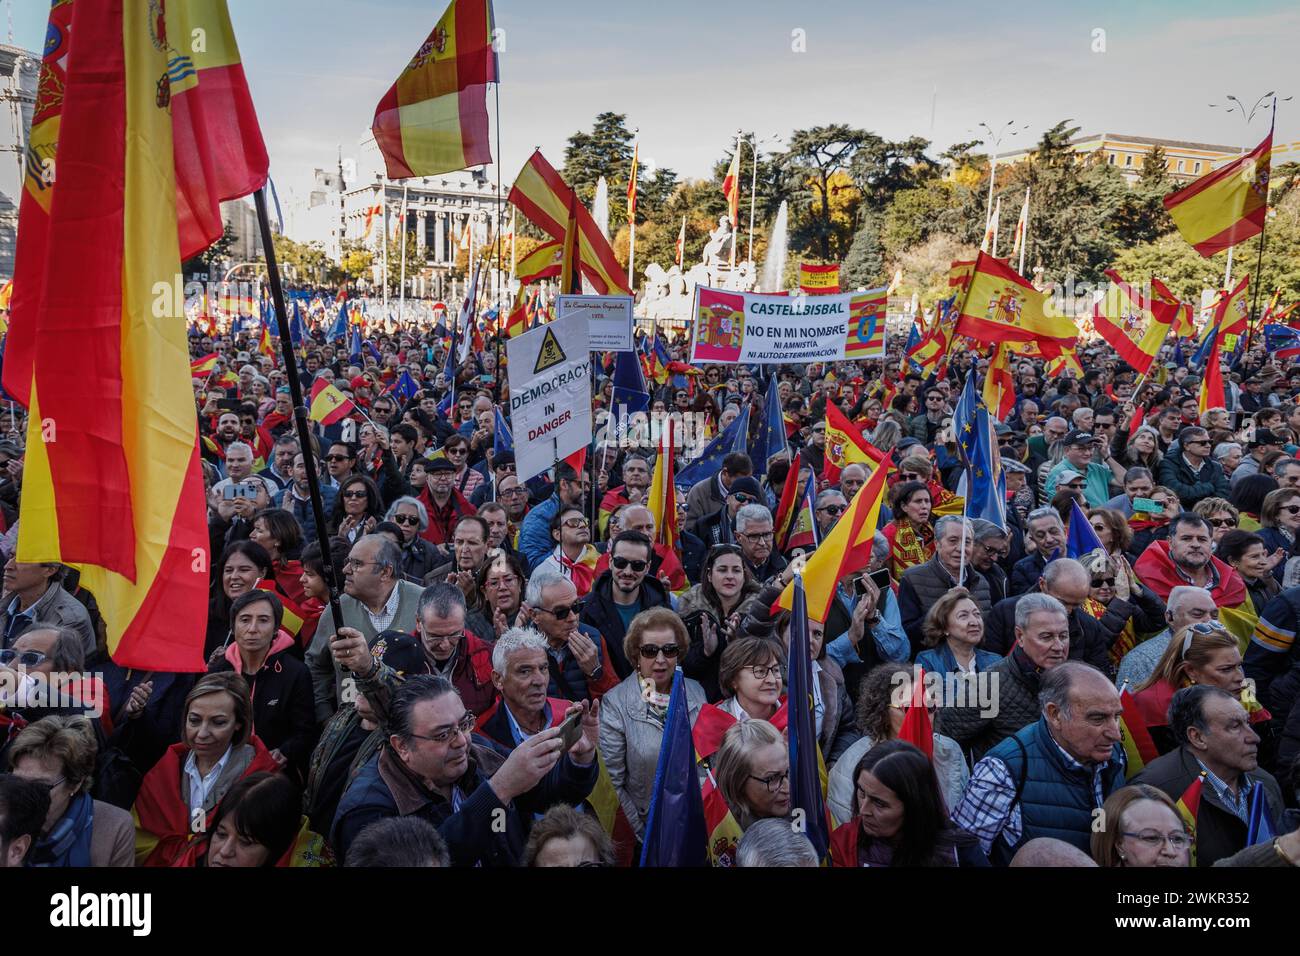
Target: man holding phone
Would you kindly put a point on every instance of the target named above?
(1083, 453)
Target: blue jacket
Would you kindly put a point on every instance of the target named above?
(1056, 799)
(535, 542)
(940, 660)
(1025, 574)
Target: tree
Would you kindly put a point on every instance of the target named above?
(213, 255)
(812, 159)
(925, 267)
(357, 260)
(865, 263)
(912, 215)
(304, 262)
(605, 151)
(881, 168)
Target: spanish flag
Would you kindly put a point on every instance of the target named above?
(547, 202)
(1189, 807)
(1067, 361)
(960, 272)
(662, 501)
(1132, 326)
(203, 365)
(846, 549)
(999, 388)
(1000, 306)
(434, 118)
(731, 186)
(785, 508)
(845, 445)
(328, 404)
(542, 263)
(631, 183)
(517, 320)
(1226, 206)
(1182, 324)
(1138, 745)
(264, 345)
(1230, 316)
(138, 134)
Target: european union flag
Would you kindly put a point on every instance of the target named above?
(1080, 539)
(913, 340)
(339, 329)
(805, 777)
(406, 388)
(709, 462)
(297, 328)
(1260, 828)
(354, 346)
(740, 443)
(629, 384)
(675, 832)
(374, 352)
(769, 439)
(502, 439)
(963, 417)
(986, 485)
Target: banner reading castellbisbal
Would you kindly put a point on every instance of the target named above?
(757, 328)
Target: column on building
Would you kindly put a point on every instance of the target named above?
(439, 236)
(420, 217)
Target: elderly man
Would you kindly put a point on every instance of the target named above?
(1080, 449)
(924, 584)
(521, 675)
(40, 652)
(430, 767)
(1287, 472)
(280, 469)
(468, 549)
(1051, 777)
(1069, 582)
(1190, 472)
(1042, 643)
(374, 599)
(1215, 739)
(1261, 446)
(636, 481)
(828, 507)
(442, 501)
(852, 478)
(1185, 605)
(1046, 532)
(34, 596)
(241, 494)
(754, 534)
(1188, 558)
(623, 590)
(581, 667)
(992, 545)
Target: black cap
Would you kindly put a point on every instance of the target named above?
(1266, 436)
(441, 463)
(402, 652)
(1079, 437)
(506, 457)
(747, 486)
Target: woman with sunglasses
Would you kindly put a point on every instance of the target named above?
(1279, 525)
(1221, 515)
(1117, 599)
(1201, 653)
(910, 534)
(357, 508)
(419, 556)
(632, 714)
(1246, 551)
(899, 817)
(712, 612)
(466, 480)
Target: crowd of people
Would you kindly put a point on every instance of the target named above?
(496, 690)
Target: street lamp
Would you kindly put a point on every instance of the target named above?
(754, 144)
(994, 139)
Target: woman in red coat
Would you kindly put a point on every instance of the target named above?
(180, 794)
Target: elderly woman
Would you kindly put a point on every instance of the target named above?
(953, 629)
(883, 702)
(1142, 828)
(752, 774)
(1221, 515)
(466, 479)
(262, 652)
(1246, 551)
(711, 610)
(498, 592)
(59, 753)
(632, 714)
(217, 748)
(564, 837)
(1126, 608)
(256, 825)
(1279, 524)
(1228, 454)
(910, 534)
(419, 556)
(899, 817)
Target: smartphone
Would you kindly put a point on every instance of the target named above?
(230, 492)
(570, 731)
(880, 579)
(229, 404)
(1147, 505)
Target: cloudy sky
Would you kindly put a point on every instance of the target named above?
(690, 73)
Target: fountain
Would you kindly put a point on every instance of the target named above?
(773, 274)
(600, 206)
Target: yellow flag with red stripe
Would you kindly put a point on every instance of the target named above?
(1226, 206)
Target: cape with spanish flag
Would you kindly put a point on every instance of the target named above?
(143, 165)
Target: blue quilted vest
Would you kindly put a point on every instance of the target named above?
(1056, 799)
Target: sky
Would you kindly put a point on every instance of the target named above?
(689, 74)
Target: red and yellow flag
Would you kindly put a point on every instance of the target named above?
(1067, 361)
(845, 445)
(204, 365)
(1138, 745)
(785, 508)
(264, 345)
(960, 272)
(133, 195)
(434, 118)
(547, 202)
(819, 279)
(1001, 306)
(1226, 206)
(662, 500)
(1189, 808)
(1133, 326)
(999, 387)
(631, 183)
(866, 332)
(542, 263)
(1183, 323)
(731, 186)
(1230, 318)
(328, 404)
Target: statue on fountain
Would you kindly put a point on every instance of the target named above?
(718, 239)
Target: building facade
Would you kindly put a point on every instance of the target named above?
(1185, 161)
(19, 69)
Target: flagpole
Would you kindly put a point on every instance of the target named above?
(734, 227)
(753, 192)
(497, 374)
(401, 295)
(384, 199)
(1259, 261)
(299, 408)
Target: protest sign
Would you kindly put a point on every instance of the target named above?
(550, 393)
(757, 328)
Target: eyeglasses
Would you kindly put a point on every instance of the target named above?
(24, 658)
(773, 781)
(622, 564)
(995, 552)
(563, 610)
(51, 785)
(337, 458)
(1103, 582)
(1197, 441)
(756, 536)
(1156, 839)
(412, 520)
(833, 510)
(908, 476)
(763, 671)
(1290, 509)
(463, 726)
(354, 563)
(511, 492)
(575, 522)
(651, 651)
(358, 493)
(457, 451)
(1226, 522)
(743, 498)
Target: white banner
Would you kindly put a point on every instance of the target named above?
(608, 318)
(550, 393)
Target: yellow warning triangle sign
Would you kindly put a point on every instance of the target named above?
(550, 354)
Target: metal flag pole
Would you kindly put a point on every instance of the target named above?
(1253, 318)
(401, 294)
(501, 283)
(299, 408)
(383, 197)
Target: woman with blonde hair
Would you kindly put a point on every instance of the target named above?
(752, 771)
(1142, 828)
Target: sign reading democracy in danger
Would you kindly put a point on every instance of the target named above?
(550, 394)
(767, 329)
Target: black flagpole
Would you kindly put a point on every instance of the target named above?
(299, 408)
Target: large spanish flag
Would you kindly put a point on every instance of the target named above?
(434, 118)
(547, 202)
(1133, 326)
(845, 445)
(999, 387)
(1226, 206)
(135, 524)
(1001, 306)
(1183, 323)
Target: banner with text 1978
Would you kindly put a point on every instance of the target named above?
(757, 328)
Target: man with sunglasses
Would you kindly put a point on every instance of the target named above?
(828, 507)
(503, 467)
(535, 542)
(719, 527)
(340, 462)
(707, 496)
(577, 655)
(1189, 471)
(432, 768)
(926, 425)
(622, 592)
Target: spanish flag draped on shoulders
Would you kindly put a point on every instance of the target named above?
(150, 136)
